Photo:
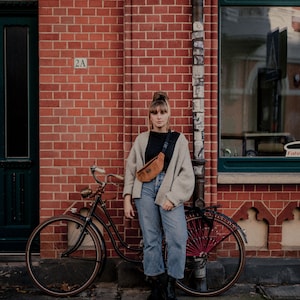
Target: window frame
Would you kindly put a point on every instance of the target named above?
(259, 2)
(253, 164)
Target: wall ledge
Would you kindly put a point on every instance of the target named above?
(259, 178)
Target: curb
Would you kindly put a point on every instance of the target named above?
(259, 271)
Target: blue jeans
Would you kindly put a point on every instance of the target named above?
(157, 224)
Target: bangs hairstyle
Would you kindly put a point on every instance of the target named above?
(159, 103)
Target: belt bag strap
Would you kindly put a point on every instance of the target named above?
(166, 143)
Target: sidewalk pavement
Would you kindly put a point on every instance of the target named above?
(122, 281)
(111, 291)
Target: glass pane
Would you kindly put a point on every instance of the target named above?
(260, 80)
(16, 87)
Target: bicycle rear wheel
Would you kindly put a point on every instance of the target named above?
(63, 256)
(215, 254)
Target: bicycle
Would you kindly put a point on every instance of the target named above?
(72, 246)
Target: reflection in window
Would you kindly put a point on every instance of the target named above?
(16, 87)
(260, 80)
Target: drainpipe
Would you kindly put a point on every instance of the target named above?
(198, 102)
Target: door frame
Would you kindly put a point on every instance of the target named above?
(13, 237)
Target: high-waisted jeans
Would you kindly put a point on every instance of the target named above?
(157, 224)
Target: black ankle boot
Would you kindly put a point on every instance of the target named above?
(157, 288)
(171, 288)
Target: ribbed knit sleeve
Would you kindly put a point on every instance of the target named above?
(135, 161)
(179, 181)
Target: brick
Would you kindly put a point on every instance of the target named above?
(94, 114)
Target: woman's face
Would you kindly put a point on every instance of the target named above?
(159, 119)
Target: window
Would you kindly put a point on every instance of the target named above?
(259, 90)
(16, 87)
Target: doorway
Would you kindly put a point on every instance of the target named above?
(19, 159)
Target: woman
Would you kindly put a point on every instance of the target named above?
(159, 203)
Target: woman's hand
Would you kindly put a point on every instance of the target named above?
(168, 205)
(128, 208)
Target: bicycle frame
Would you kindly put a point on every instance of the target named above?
(111, 229)
(109, 226)
(213, 211)
(212, 238)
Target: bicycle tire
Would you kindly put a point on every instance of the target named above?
(215, 254)
(64, 275)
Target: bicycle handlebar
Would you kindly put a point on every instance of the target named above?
(97, 169)
(102, 171)
(118, 176)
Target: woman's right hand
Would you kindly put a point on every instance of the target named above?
(128, 208)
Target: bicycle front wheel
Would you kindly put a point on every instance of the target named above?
(63, 256)
(215, 254)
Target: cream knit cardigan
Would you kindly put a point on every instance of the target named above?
(179, 181)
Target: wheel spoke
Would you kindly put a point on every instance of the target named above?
(63, 256)
(215, 255)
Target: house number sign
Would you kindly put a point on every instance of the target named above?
(80, 63)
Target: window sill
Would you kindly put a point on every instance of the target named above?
(259, 178)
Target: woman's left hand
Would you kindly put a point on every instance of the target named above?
(168, 205)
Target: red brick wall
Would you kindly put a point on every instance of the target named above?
(81, 110)
(157, 56)
(210, 19)
(274, 204)
(92, 115)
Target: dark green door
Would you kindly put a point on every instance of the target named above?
(19, 163)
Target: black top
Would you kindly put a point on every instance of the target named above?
(155, 145)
